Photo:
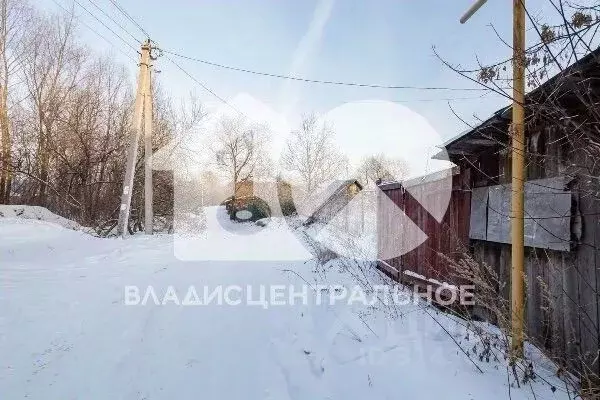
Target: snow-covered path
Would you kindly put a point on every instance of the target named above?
(66, 332)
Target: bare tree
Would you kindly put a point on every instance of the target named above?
(52, 73)
(15, 20)
(311, 154)
(211, 189)
(240, 149)
(65, 114)
(380, 167)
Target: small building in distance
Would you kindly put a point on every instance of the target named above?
(276, 196)
(336, 196)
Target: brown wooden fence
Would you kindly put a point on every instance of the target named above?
(444, 236)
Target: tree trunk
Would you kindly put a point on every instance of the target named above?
(43, 161)
(6, 176)
(6, 164)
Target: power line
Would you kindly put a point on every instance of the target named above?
(318, 81)
(106, 26)
(209, 90)
(279, 76)
(124, 12)
(114, 21)
(422, 100)
(96, 32)
(355, 84)
(197, 81)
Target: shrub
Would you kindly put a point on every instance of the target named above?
(255, 205)
(259, 209)
(288, 208)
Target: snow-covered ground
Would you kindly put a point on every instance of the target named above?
(67, 331)
(37, 213)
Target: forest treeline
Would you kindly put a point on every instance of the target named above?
(65, 114)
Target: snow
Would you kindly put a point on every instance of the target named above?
(66, 331)
(225, 240)
(37, 213)
(432, 280)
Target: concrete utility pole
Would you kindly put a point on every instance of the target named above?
(517, 134)
(148, 190)
(142, 89)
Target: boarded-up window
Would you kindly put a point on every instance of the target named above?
(547, 214)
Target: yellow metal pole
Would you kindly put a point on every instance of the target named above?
(517, 136)
(518, 178)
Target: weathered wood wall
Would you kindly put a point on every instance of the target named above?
(562, 310)
(563, 306)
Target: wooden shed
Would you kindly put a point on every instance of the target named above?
(336, 196)
(562, 209)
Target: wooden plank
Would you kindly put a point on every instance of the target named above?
(586, 269)
(533, 306)
(389, 269)
(429, 289)
(546, 333)
(539, 317)
(570, 312)
(596, 276)
(557, 326)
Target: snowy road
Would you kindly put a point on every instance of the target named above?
(67, 333)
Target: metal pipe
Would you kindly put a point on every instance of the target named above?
(517, 136)
(472, 10)
(518, 178)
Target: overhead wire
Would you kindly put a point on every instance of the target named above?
(96, 32)
(197, 81)
(204, 86)
(317, 81)
(278, 76)
(114, 21)
(426, 100)
(106, 26)
(209, 90)
(129, 17)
